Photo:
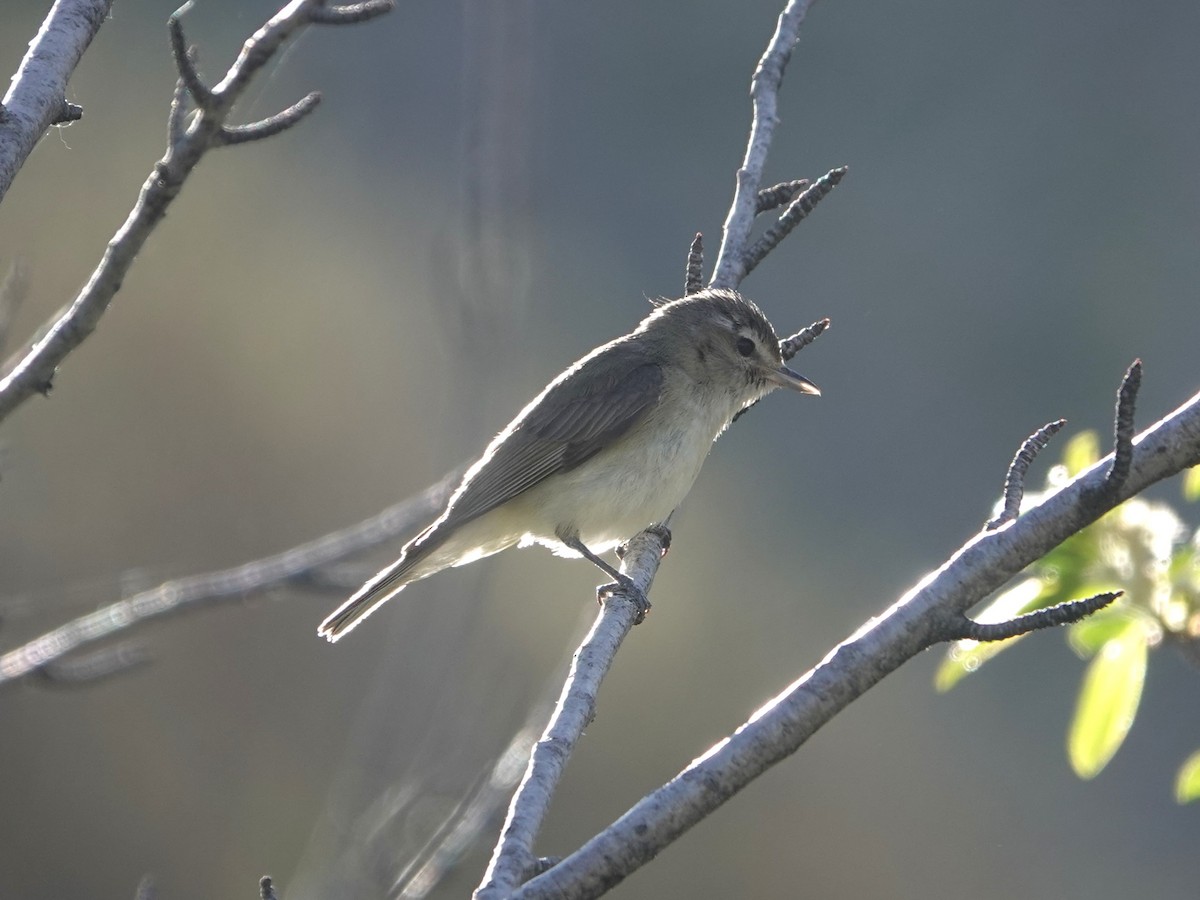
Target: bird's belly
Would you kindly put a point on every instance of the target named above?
(626, 487)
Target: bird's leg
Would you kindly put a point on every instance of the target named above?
(622, 581)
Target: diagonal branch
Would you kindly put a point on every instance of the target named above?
(270, 126)
(778, 195)
(36, 98)
(925, 615)
(33, 372)
(513, 861)
(796, 213)
(1123, 426)
(1066, 613)
(298, 564)
(764, 91)
(1014, 480)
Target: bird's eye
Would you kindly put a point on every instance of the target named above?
(745, 346)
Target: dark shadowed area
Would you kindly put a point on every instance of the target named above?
(330, 320)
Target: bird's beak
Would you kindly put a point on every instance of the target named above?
(785, 377)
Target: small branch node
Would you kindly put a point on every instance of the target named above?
(185, 60)
(694, 274)
(1014, 481)
(69, 112)
(1123, 427)
(271, 126)
(177, 116)
(1060, 614)
(777, 195)
(350, 13)
(797, 211)
(789, 347)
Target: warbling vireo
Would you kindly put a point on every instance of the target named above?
(610, 447)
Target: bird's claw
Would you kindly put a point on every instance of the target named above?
(631, 592)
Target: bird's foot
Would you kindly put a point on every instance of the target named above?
(629, 589)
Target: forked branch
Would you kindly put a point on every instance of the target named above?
(32, 372)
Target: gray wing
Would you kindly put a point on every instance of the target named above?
(571, 422)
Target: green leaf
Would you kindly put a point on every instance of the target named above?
(1082, 451)
(1108, 700)
(1187, 782)
(1191, 484)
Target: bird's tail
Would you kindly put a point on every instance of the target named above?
(374, 593)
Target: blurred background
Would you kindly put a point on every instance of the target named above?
(328, 321)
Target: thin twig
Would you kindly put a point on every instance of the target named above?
(1014, 480)
(779, 194)
(1052, 616)
(351, 13)
(764, 91)
(270, 126)
(796, 212)
(185, 61)
(1123, 427)
(790, 346)
(693, 281)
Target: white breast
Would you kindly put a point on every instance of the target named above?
(634, 483)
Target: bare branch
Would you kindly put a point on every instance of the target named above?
(1052, 616)
(1123, 426)
(764, 92)
(350, 13)
(796, 212)
(1014, 480)
(694, 275)
(185, 61)
(273, 125)
(927, 614)
(36, 96)
(34, 372)
(776, 196)
(210, 588)
(513, 861)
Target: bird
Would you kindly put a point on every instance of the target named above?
(610, 447)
